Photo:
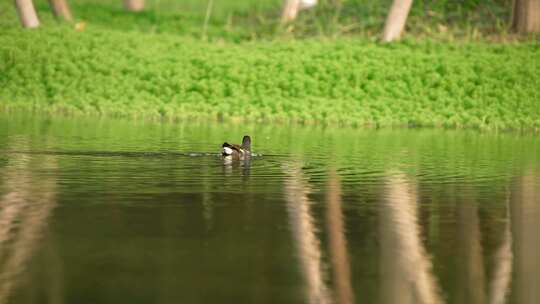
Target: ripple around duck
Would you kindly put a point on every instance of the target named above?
(155, 172)
(187, 170)
(130, 154)
(146, 154)
(182, 167)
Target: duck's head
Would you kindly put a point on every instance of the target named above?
(239, 151)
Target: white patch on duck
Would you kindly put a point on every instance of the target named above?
(227, 150)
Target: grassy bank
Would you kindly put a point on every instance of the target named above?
(343, 81)
(242, 20)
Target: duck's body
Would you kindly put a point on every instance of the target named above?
(237, 151)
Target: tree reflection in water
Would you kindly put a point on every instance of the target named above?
(478, 247)
(304, 233)
(471, 276)
(24, 210)
(338, 242)
(525, 226)
(405, 267)
(406, 270)
(503, 265)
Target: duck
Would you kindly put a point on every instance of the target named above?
(237, 151)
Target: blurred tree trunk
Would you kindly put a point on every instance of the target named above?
(290, 10)
(60, 9)
(405, 266)
(470, 278)
(27, 13)
(292, 7)
(525, 221)
(338, 241)
(395, 22)
(304, 229)
(526, 16)
(134, 5)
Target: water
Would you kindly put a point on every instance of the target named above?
(100, 211)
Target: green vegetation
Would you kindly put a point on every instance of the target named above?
(240, 20)
(155, 65)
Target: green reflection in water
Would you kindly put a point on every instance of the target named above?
(99, 211)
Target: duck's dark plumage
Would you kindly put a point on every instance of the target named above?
(235, 150)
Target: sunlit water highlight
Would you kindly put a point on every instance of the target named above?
(98, 211)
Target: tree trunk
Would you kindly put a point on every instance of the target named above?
(60, 9)
(526, 16)
(290, 10)
(27, 13)
(134, 5)
(395, 22)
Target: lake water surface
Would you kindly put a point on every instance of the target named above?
(101, 211)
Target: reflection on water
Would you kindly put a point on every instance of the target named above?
(503, 258)
(231, 165)
(338, 242)
(25, 206)
(471, 274)
(304, 233)
(406, 275)
(122, 212)
(525, 226)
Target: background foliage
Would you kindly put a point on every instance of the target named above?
(160, 64)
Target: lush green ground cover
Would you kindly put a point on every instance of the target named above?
(157, 73)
